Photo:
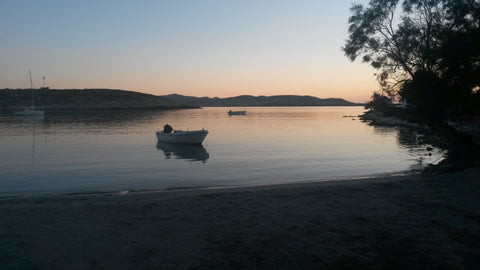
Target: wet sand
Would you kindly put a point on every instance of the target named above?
(406, 222)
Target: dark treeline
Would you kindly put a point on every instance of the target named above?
(84, 99)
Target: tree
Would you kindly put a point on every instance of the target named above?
(428, 51)
(378, 103)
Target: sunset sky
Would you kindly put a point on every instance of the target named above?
(214, 48)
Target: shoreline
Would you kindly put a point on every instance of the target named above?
(333, 180)
(387, 222)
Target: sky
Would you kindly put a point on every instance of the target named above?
(213, 48)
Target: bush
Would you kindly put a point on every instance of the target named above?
(378, 103)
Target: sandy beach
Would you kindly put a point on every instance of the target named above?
(404, 222)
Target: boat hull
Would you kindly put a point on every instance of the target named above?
(30, 112)
(237, 112)
(184, 137)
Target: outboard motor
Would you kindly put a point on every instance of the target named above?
(167, 128)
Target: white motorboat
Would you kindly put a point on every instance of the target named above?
(180, 136)
(237, 112)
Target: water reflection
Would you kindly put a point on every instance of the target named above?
(103, 117)
(84, 121)
(184, 151)
(35, 121)
(415, 142)
(84, 150)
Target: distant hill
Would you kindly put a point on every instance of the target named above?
(247, 100)
(86, 99)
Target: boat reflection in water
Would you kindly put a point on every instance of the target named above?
(192, 152)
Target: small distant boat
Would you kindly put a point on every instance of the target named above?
(237, 112)
(179, 136)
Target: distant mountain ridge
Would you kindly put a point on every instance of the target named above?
(85, 99)
(248, 100)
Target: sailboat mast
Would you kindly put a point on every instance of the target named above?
(31, 87)
(31, 82)
(31, 111)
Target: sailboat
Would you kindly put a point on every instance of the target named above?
(31, 111)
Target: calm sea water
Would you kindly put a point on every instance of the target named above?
(109, 151)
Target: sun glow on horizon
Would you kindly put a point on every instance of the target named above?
(214, 49)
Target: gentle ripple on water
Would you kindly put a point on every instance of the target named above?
(78, 151)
